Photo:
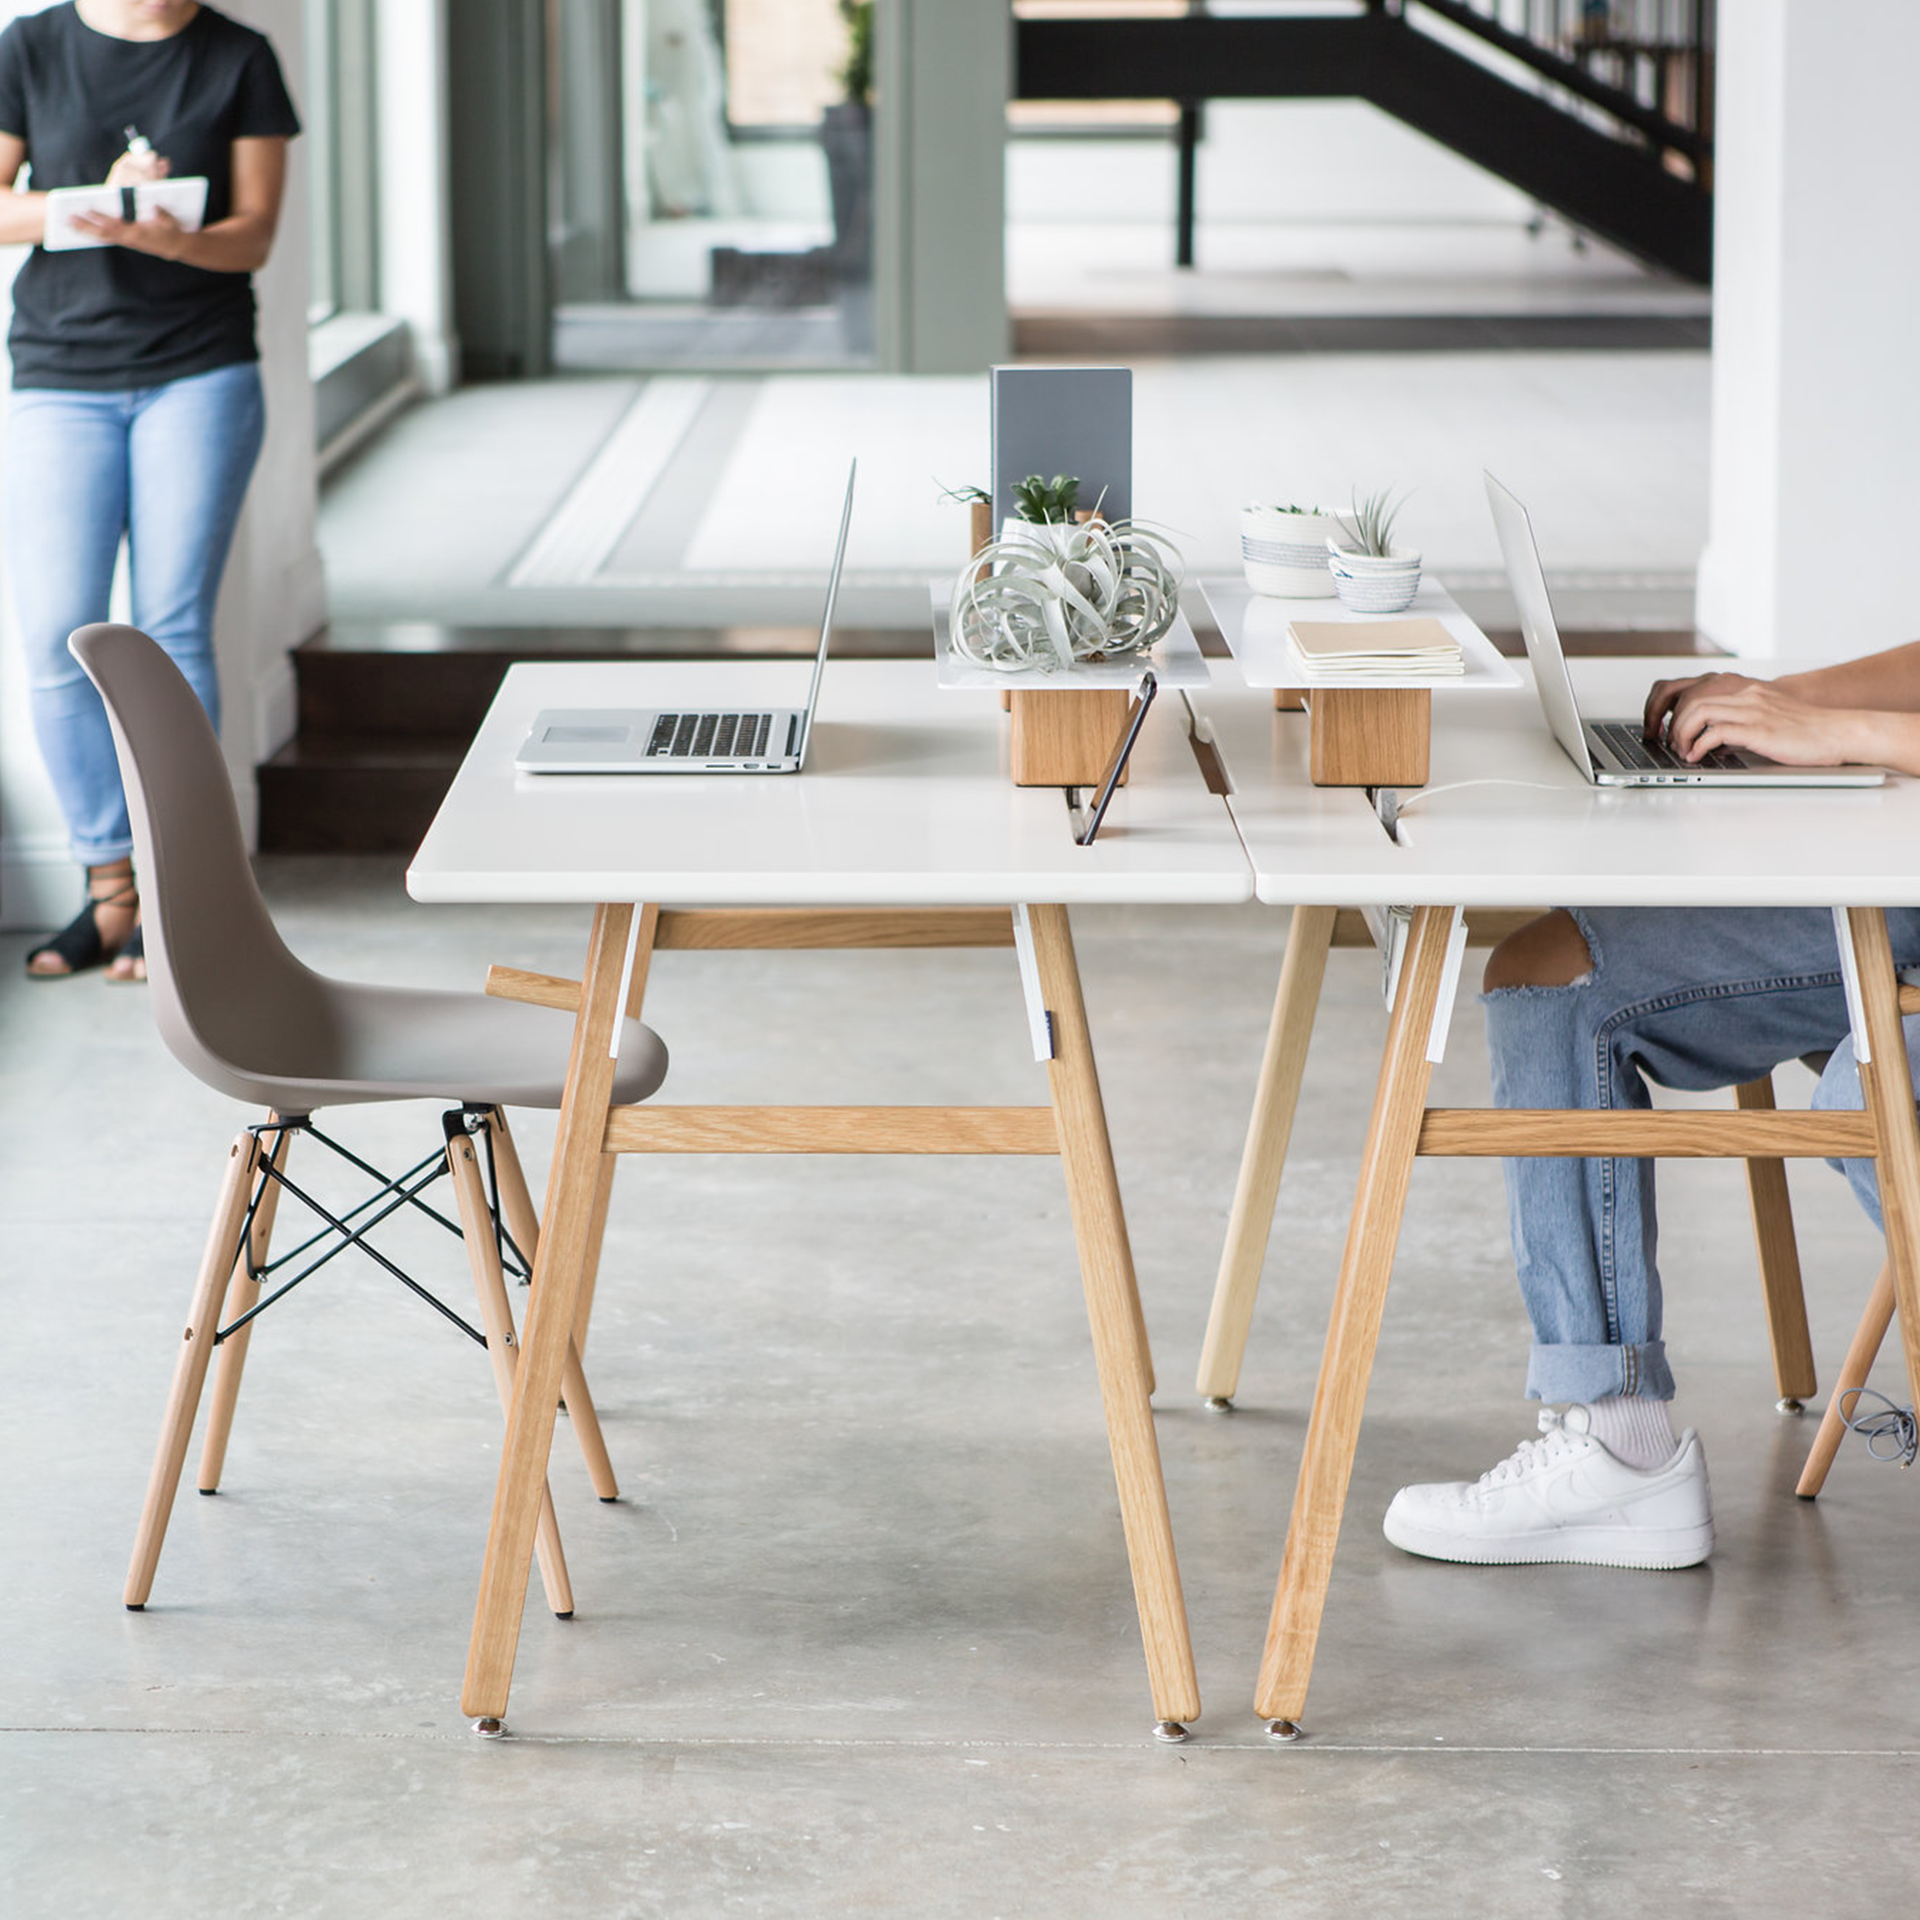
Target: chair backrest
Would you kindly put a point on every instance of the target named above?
(233, 1004)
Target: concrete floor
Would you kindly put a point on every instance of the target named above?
(858, 1637)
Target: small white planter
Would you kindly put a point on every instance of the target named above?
(1373, 583)
(1285, 553)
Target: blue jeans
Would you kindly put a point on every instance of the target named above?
(165, 466)
(1685, 997)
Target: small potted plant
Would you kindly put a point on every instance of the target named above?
(1284, 550)
(1371, 574)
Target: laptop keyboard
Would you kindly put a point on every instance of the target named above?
(1655, 756)
(710, 736)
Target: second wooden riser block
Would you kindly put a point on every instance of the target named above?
(1066, 739)
(1370, 736)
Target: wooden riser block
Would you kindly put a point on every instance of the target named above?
(1370, 736)
(1289, 700)
(1066, 739)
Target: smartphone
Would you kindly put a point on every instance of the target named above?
(1142, 700)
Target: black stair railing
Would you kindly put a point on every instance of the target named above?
(1647, 64)
(1600, 109)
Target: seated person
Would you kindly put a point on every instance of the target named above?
(1584, 1007)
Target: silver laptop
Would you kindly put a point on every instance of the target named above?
(1612, 753)
(742, 739)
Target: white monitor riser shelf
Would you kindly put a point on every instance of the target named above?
(1254, 626)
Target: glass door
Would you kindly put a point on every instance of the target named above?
(710, 183)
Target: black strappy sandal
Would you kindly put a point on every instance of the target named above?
(133, 954)
(78, 943)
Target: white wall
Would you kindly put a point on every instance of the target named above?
(274, 594)
(1816, 408)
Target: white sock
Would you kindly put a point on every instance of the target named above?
(1635, 1430)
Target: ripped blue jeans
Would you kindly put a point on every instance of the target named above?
(1691, 998)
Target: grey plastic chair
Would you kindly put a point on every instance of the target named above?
(239, 1011)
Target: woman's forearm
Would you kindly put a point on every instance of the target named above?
(239, 244)
(23, 218)
(1889, 680)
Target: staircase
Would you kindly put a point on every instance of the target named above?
(1598, 109)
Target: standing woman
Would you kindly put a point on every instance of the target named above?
(137, 408)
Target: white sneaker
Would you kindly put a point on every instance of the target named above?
(1564, 1497)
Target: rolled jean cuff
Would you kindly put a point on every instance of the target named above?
(101, 853)
(1593, 1373)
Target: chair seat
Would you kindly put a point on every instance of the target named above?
(367, 1043)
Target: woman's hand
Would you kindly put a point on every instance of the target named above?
(1730, 710)
(160, 234)
(134, 169)
(1667, 694)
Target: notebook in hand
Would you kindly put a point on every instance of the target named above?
(185, 199)
(1385, 647)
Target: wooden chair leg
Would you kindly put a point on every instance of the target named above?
(516, 1202)
(1854, 1369)
(1237, 1284)
(1887, 1084)
(243, 1294)
(190, 1369)
(496, 1320)
(1779, 1252)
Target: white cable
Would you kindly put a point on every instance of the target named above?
(1455, 786)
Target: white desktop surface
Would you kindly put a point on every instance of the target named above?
(906, 800)
(1558, 840)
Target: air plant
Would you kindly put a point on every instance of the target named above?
(1056, 595)
(1370, 531)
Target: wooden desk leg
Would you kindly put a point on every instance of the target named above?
(524, 1224)
(1265, 1156)
(1888, 1085)
(243, 1295)
(548, 1340)
(1779, 1253)
(1113, 1308)
(1333, 1428)
(1854, 1369)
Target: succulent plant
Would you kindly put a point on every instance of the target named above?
(1046, 502)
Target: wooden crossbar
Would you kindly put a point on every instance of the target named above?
(713, 928)
(663, 1129)
(1468, 1132)
(1486, 927)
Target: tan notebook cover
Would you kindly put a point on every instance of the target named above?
(1332, 641)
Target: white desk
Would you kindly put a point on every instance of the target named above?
(1556, 840)
(905, 829)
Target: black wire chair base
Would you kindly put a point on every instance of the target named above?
(337, 1233)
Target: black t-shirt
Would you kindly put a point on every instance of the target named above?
(106, 318)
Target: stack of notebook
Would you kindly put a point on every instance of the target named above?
(1340, 650)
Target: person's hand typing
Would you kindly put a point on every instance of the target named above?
(1730, 710)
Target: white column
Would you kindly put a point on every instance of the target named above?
(274, 594)
(1815, 462)
(416, 230)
